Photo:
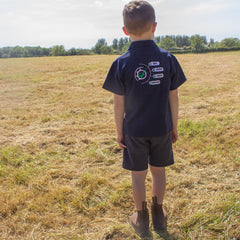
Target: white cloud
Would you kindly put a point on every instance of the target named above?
(79, 23)
(98, 3)
(209, 7)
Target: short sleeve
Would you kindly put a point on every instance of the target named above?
(177, 74)
(113, 81)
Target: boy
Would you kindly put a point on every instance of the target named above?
(144, 81)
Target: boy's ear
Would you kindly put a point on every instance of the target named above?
(125, 31)
(154, 26)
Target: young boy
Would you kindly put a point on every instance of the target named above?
(144, 81)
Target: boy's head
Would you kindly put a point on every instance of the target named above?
(138, 17)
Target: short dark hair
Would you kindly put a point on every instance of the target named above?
(138, 16)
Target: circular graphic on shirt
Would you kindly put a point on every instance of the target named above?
(143, 73)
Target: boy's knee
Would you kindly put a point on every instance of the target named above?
(157, 170)
(139, 173)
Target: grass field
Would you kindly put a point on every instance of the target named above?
(60, 166)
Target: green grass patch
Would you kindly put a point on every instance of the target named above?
(122, 194)
(93, 194)
(215, 139)
(216, 218)
(19, 167)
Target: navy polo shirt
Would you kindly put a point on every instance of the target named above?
(144, 75)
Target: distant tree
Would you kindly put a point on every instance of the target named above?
(173, 37)
(72, 51)
(120, 44)
(197, 43)
(126, 46)
(84, 52)
(6, 52)
(101, 47)
(167, 43)
(30, 50)
(126, 40)
(211, 41)
(215, 45)
(45, 52)
(182, 41)
(16, 52)
(186, 41)
(115, 44)
(58, 50)
(179, 41)
(38, 51)
(204, 38)
(230, 43)
(25, 53)
(157, 39)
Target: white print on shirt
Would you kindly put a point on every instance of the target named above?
(158, 69)
(151, 64)
(157, 82)
(158, 75)
(143, 73)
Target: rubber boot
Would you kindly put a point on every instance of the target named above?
(140, 220)
(159, 216)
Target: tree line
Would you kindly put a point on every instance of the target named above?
(59, 50)
(175, 44)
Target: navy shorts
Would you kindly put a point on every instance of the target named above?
(141, 151)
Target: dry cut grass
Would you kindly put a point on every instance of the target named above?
(60, 167)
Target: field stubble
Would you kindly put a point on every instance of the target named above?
(60, 167)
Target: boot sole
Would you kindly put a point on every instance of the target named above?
(142, 233)
(161, 228)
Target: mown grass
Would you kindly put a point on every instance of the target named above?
(60, 166)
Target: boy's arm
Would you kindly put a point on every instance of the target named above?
(173, 99)
(119, 116)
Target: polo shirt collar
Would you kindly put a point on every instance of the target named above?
(143, 43)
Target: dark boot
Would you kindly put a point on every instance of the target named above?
(140, 220)
(159, 216)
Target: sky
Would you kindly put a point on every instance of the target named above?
(80, 23)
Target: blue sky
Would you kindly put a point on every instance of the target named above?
(80, 23)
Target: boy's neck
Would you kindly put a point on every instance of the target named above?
(144, 36)
(148, 35)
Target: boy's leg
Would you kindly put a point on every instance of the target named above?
(139, 219)
(159, 214)
(161, 155)
(138, 186)
(158, 183)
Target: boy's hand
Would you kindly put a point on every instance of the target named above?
(174, 134)
(120, 140)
